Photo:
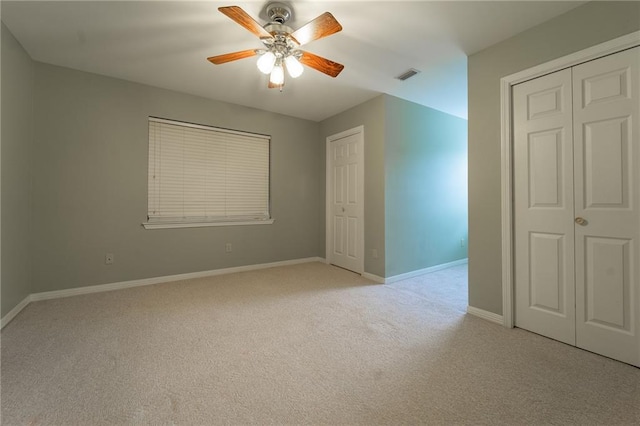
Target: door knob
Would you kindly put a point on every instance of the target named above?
(581, 221)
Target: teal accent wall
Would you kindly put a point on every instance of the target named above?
(425, 187)
(415, 183)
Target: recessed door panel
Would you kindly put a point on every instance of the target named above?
(338, 231)
(353, 183)
(352, 237)
(545, 102)
(606, 154)
(338, 184)
(546, 282)
(545, 168)
(607, 282)
(606, 87)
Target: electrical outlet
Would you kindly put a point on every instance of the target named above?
(462, 242)
(109, 258)
(374, 253)
(227, 247)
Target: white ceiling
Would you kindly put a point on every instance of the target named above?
(165, 44)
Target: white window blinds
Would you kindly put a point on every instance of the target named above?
(205, 174)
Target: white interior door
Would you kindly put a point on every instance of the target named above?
(345, 245)
(577, 205)
(544, 230)
(607, 196)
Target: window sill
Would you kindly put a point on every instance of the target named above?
(169, 225)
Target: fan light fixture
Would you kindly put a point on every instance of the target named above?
(294, 67)
(270, 63)
(282, 44)
(266, 62)
(277, 75)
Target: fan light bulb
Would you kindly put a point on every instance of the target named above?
(277, 75)
(266, 62)
(294, 67)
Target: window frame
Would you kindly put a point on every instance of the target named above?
(159, 223)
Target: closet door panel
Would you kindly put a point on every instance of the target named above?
(544, 229)
(606, 99)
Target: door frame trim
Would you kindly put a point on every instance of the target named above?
(329, 193)
(506, 137)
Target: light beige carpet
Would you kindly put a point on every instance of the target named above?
(306, 344)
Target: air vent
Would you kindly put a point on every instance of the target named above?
(407, 74)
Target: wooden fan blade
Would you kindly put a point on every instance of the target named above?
(321, 64)
(323, 26)
(228, 57)
(241, 17)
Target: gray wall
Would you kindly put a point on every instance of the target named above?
(578, 29)
(371, 115)
(17, 135)
(89, 187)
(426, 187)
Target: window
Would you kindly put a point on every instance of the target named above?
(206, 176)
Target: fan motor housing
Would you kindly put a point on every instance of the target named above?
(278, 12)
(275, 28)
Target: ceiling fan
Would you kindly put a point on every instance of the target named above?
(281, 43)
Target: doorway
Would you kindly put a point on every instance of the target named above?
(345, 200)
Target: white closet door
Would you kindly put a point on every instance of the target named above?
(544, 227)
(607, 196)
(347, 196)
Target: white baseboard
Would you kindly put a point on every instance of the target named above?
(481, 313)
(373, 278)
(415, 273)
(419, 272)
(34, 297)
(15, 311)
